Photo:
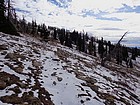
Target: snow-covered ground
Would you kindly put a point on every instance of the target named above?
(66, 76)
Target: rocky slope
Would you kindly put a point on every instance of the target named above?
(33, 72)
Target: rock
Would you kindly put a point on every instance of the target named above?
(92, 86)
(11, 56)
(31, 93)
(36, 51)
(1, 65)
(36, 63)
(3, 47)
(4, 53)
(54, 83)
(22, 85)
(34, 101)
(16, 89)
(31, 55)
(32, 69)
(2, 85)
(15, 56)
(56, 59)
(59, 79)
(95, 88)
(90, 80)
(82, 101)
(53, 74)
(18, 69)
(13, 99)
(8, 78)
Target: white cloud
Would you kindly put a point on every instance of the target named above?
(45, 11)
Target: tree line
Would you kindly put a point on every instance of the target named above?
(72, 39)
(81, 41)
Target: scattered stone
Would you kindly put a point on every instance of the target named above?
(36, 51)
(82, 101)
(81, 95)
(59, 79)
(36, 64)
(29, 97)
(90, 80)
(19, 69)
(3, 47)
(15, 56)
(1, 65)
(10, 56)
(31, 93)
(9, 78)
(93, 87)
(16, 89)
(34, 101)
(4, 53)
(55, 59)
(53, 74)
(31, 55)
(2, 85)
(13, 99)
(54, 83)
(30, 68)
(88, 99)
(22, 85)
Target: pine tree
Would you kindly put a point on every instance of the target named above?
(2, 9)
(101, 48)
(83, 43)
(109, 47)
(55, 34)
(23, 25)
(79, 42)
(90, 47)
(133, 53)
(6, 25)
(68, 41)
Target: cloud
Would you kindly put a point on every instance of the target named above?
(127, 8)
(109, 29)
(101, 17)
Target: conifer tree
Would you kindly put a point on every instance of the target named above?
(101, 48)
(109, 47)
(79, 42)
(83, 44)
(134, 55)
(55, 34)
(2, 10)
(90, 47)
(61, 34)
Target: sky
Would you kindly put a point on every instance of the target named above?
(102, 18)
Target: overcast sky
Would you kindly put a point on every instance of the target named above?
(100, 17)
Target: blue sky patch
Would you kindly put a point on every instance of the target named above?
(61, 3)
(99, 15)
(127, 8)
(23, 11)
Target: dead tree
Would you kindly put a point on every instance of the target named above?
(109, 56)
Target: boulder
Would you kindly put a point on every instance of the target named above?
(13, 99)
(3, 47)
(36, 63)
(59, 79)
(2, 85)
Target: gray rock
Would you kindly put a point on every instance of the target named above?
(2, 85)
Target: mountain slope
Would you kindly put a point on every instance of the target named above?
(35, 72)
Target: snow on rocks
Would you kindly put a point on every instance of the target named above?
(40, 73)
